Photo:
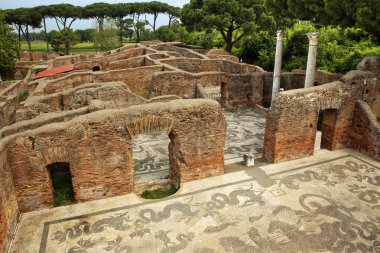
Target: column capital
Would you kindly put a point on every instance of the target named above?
(313, 38)
(280, 35)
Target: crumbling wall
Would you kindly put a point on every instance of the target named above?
(372, 64)
(113, 94)
(292, 119)
(98, 148)
(245, 90)
(129, 63)
(202, 65)
(184, 84)
(9, 211)
(293, 80)
(127, 54)
(365, 135)
(137, 79)
(184, 52)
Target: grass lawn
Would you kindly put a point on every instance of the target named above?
(40, 46)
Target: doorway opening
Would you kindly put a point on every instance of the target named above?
(61, 179)
(151, 165)
(326, 127)
(96, 68)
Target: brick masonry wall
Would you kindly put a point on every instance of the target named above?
(98, 148)
(116, 94)
(292, 119)
(9, 211)
(365, 135)
(137, 79)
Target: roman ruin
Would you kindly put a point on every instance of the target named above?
(168, 114)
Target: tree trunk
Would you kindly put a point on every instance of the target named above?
(121, 26)
(228, 40)
(46, 38)
(154, 22)
(170, 20)
(229, 46)
(56, 21)
(19, 41)
(138, 35)
(29, 45)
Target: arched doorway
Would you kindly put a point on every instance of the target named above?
(61, 181)
(96, 68)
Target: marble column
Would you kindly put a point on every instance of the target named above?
(311, 59)
(277, 64)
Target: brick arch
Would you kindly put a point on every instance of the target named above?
(56, 155)
(50, 156)
(150, 125)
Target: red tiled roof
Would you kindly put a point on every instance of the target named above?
(54, 71)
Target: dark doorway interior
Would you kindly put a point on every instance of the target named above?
(60, 175)
(327, 124)
(96, 68)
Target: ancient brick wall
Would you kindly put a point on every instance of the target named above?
(184, 52)
(365, 134)
(184, 83)
(293, 80)
(114, 94)
(41, 120)
(292, 118)
(9, 211)
(245, 90)
(98, 148)
(137, 79)
(134, 52)
(292, 121)
(372, 96)
(129, 63)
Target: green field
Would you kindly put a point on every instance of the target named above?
(40, 46)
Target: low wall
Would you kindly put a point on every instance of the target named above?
(137, 79)
(202, 65)
(184, 52)
(112, 94)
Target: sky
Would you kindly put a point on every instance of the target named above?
(83, 24)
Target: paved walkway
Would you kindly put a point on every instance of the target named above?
(326, 203)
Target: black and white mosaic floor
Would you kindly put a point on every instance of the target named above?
(330, 205)
(245, 129)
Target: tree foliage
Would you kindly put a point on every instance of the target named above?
(339, 49)
(64, 14)
(23, 19)
(234, 19)
(9, 49)
(359, 13)
(64, 40)
(105, 38)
